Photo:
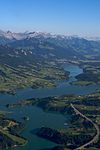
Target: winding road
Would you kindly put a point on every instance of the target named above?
(94, 124)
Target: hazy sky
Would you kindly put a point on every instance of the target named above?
(71, 17)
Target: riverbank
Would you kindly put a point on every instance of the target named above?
(22, 105)
(10, 133)
(90, 75)
(34, 76)
(79, 129)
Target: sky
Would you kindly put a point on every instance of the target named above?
(69, 17)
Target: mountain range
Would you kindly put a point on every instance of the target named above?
(46, 45)
(23, 35)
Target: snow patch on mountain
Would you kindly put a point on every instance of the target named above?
(20, 36)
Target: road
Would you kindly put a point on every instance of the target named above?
(94, 124)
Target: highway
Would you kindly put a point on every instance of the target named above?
(95, 138)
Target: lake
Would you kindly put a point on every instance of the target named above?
(39, 118)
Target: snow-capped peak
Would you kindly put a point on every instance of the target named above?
(37, 34)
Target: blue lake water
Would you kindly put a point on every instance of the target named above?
(39, 118)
